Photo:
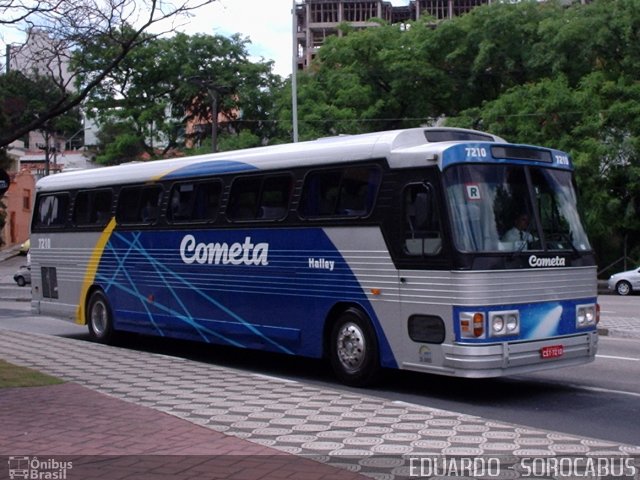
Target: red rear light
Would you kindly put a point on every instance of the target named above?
(597, 313)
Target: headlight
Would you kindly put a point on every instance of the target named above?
(585, 315)
(497, 324)
(504, 323)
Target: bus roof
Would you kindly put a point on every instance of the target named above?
(401, 148)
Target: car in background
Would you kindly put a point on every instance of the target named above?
(624, 283)
(23, 276)
(25, 246)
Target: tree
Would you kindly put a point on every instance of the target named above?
(71, 27)
(584, 101)
(24, 97)
(532, 72)
(169, 81)
(393, 76)
(356, 84)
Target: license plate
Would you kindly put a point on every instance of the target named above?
(552, 351)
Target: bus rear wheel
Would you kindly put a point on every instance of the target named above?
(99, 318)
(354, 349)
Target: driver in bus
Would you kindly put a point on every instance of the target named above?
(520, 230)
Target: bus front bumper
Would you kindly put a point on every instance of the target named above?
(513, 358)
(510, 358)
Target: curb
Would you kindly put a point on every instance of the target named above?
(9, 253)
(618, 333)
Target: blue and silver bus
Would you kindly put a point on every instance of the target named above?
(437, 250)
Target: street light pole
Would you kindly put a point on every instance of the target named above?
(294, 73)
(214, 118)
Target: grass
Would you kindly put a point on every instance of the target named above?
(15, 376)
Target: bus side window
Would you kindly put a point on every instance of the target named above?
(101, 207)
(52, 211)
(350, 192)
(139, 205)
(243, 199)
(274, 200)
(422, 225)
(207, 200)
(358, 190)
(259, 198)
(92, 208)
(320, 193)
(193, 202)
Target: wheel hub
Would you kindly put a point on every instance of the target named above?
(98, 318)
(351, 347)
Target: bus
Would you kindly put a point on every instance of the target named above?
(374, 251)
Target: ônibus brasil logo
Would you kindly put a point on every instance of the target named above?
(245, 253)
(37, 469)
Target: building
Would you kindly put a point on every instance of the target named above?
(319, 19)
(19, 203)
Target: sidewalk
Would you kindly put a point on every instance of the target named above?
(9, 252)
(118, 439)
(155, 416)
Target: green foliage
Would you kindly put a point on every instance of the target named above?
(168, 82)
(532, 72)
(121, 143)
(232, 141)
(24, 97)
(127, 147)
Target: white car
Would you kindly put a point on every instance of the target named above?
(23, 276)
(625, 282)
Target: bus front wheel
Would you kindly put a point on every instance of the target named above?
(354, 349)
(99, 318)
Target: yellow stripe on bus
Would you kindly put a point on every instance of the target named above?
(92, 268)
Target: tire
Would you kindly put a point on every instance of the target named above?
(623, 288)
(21, 281)
(99, 318)
(354, 349)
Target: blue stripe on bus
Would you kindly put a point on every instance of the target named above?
(538, 321)
(480, 152)
(209, 168)
(238, 294)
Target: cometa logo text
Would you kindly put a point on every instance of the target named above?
(246, 253)
(535, 261)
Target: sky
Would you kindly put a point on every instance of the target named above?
(267, 23)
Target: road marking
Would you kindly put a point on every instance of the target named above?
(606, 390)
(631, 359)
(271, 377)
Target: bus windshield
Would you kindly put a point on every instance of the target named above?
(513, 208)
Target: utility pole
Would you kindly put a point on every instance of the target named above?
(294, 73)
(47, 149)
(213, 93)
